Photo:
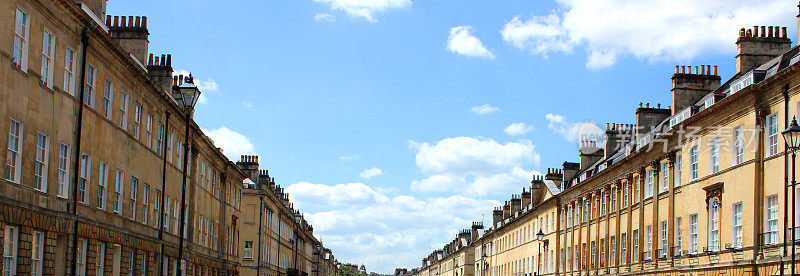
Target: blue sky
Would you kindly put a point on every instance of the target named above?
(394, 123)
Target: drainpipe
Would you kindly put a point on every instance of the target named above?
(163, 197)
(260, 222)
(77, 155)
(785, 92)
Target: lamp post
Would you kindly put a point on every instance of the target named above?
(189, 94)
(539, 238)
(792, 137)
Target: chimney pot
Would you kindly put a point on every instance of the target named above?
(702, 70)
(755, 31)
(150, 60)
(163, 59)
(658, 105)
(640, 105)
(144, 22)
(130, 21)
(783, 32)
(607, 126)
(175, 82)
(169, 60)
(647, 105)
(749, 33)
(108, 20)
(116, 21)
(741, 32)
(715, 70)
(676, 69)
(763, 31)
(156, 62)
(124, 22)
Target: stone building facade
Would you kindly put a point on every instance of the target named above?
(695, 188)
(93, 150)
(276, 238)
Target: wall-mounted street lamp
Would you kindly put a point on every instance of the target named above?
(792, 137)
(188, 94)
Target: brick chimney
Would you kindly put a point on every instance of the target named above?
(616, 136)
(506, 210)
(589, 153)
(570, 170)
(537, 183)
(497, 216)
(649, 117)
(760, 44)
(554, 175)
(526, 197)
(516, 204)
(249, 165)
(688, 86)
(476, 225)
(160, 70)
(131, 33)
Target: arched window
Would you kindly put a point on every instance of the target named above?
(713, 225)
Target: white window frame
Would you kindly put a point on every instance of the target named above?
(91, 76)
(648, 242)
(84, 181)
(650, 178)
(37, 252)
(80, 266)
(169, 147)
(636, 251)
(108, 99)
(693, 233)
(248, 251)
(102, 185)
(119, 193)
(772, 132)
(693, 163)
(14, 151)
(160, 139)
(123, 110)
(713, 225)
(41, 162)
(21, 33)
(69, 71)
(137, 121)
(63, 170)
(678, 169)
(146, 204)
(771, 221)
(11, 244)
(623, 248)
(678, 236)
(100, 259)
(134, 191)
(664, 238)
(738, 145)
(48, 50)
(664, 176)
(736, 225)
(149, 131)
(713, 155)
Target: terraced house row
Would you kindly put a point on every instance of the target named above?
(92, 182)
(697, 186)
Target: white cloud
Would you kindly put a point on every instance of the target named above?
(349, 157)
(517, 129)
(470, 166)
(484, 109)
(370, 173)
(571, 131)
(247, 104)
(305, 194)
(365, 9)
(462, 42)
(659, 30)
(233, 144)
(397, 231)
(323, 17)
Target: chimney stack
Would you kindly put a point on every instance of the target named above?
(506, 210)
(589, 153)
(687, 88)
(98, 7)
(554, 175)
(476, 225)
(758, 48)
(497, 216)
(516, 204)
(131, 34)
(160, 71)
(649, 117)
(536, 184)
(526, 197)
(570, 170)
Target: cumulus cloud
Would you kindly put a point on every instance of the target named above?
(484, 109)
(475, 167)
(370, 173)
(462, 42)
(517, 129)
(649, 30)
(365, 9)
(306, 194)
(397, 231)
(323, 17)
(233, 144)
(571, 131)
